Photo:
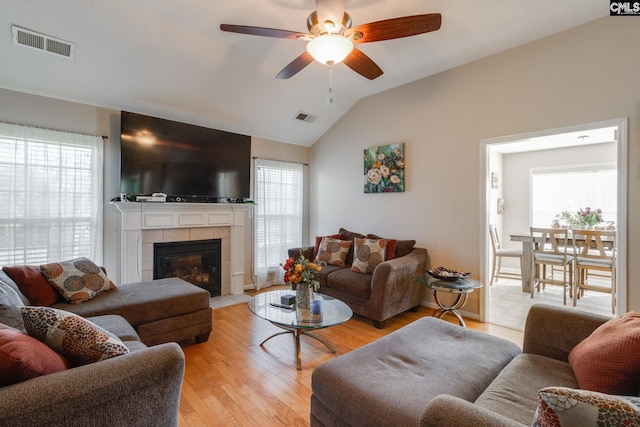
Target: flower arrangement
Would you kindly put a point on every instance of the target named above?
(302, 270)
(583, 218)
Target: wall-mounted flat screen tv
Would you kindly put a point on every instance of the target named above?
(179, 159)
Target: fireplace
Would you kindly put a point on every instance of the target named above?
(195, 261)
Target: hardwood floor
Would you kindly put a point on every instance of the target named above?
(232, 381)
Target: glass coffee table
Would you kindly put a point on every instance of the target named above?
(461, 288)
(334, 312)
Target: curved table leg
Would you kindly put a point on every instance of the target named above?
(296, 340)
(460, 301)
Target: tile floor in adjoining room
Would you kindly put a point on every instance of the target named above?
(508, 305)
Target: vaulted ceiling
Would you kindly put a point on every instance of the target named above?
(169, 59)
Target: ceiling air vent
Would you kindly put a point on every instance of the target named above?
(42, 42)
(306, 117)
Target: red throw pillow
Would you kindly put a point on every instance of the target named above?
(607, 360)
(23, 357)
(33, 284)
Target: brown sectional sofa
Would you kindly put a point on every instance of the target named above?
(141, 388)
(390, 290)
(433, 373)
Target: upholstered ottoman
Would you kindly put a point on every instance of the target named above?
(391, 381)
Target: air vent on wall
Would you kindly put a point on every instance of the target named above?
(42, 42)
(306, 117)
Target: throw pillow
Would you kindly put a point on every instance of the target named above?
(319, 240)
(23, 357)
(333, 251)
(73, 336)
(368, 253)
(10, 304)
(402, 247)
(77, 280)
(561, 406)
(607, 360)
(32, 284)
(390, 251)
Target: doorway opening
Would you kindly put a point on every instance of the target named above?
(515, 170)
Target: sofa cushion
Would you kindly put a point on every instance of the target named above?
(349, 235)
(145, 302)
(33, 284)
(333, 251)
(607, 360)
(73, 336)
(514, 391)
(391, 380)
(352, 286)
(567, 407)
(116, 325)
(23, 357)
(401, 247)
(368, 254)
(77, 280)
(10, 304)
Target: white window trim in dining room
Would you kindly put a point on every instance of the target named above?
(51, 184)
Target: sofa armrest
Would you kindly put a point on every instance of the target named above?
(446, 410)
(554, 331)
(307, 251)
(141, 388)
(393, 284)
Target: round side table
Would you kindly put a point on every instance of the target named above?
(462, 288)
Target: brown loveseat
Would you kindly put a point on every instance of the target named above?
(390, 290)
(433, 373)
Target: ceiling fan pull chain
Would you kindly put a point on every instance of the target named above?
(330, 64)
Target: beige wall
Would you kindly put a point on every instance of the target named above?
(28, 109)
(586, 74)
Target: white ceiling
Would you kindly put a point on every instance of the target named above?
(169, 59)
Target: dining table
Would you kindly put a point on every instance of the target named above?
(526, 265)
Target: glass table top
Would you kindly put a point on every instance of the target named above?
(334, 311)
(460, 285)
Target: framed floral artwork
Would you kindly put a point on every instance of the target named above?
(384, 169)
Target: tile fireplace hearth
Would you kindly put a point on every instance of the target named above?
(132, 229)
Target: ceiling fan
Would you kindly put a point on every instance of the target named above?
(331, 38)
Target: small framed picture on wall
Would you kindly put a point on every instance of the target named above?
(495, 180)
(500, 209)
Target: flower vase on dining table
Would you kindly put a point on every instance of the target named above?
(304, 296)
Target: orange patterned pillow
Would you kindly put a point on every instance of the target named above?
(561, 406)
(77, 280)
(368, 254)
(607, 360)
(333, 251)
(71, 335)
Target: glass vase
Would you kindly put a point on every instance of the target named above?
(304, 296)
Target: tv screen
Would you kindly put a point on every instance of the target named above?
(179, 159)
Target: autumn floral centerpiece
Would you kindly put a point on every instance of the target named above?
(302, 270)
(583, 218)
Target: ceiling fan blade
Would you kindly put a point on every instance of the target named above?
(295, 66)
(260, 31)
(362, 64)
(398, 27)
(330, 10)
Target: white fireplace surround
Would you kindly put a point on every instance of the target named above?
(131, 229)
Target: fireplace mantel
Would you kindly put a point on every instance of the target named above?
(126, 221)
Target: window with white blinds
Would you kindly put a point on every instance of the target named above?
(554, 191)
(51, 192)
(278, 212)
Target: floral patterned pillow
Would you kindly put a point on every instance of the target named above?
(561, 406)
(71, 335)
(333, 251)
(77, 280)
(368, 254)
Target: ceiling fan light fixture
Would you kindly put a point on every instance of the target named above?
(330, 48)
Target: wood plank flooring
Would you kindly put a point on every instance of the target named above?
(232, 381)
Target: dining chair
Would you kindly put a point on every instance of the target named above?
(550, 250)
(498, 253)
(595, 254)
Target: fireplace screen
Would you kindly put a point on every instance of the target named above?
(197, 262)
